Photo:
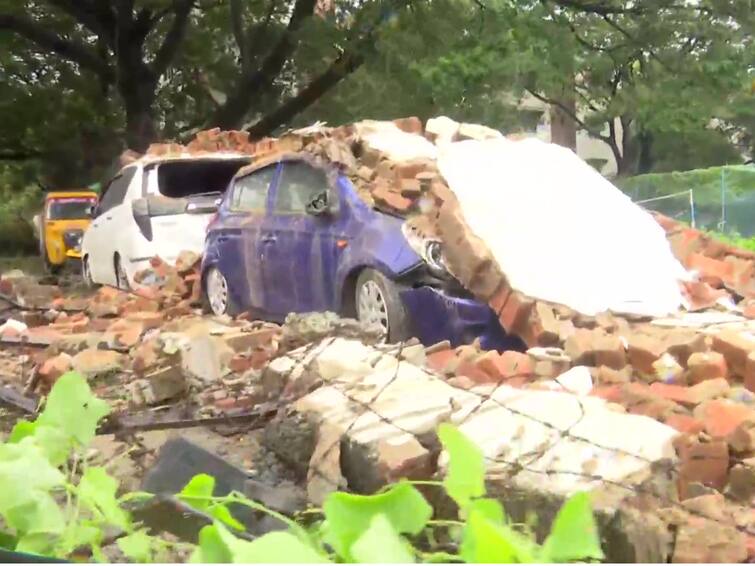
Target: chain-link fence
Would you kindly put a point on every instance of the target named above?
(720, 199)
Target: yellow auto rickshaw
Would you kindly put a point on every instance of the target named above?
(65, 217)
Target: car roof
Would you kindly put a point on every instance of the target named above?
(266, 160)
(188, 156)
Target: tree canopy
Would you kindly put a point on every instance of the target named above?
(82, 79)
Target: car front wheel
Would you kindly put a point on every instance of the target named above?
(86, 273)
(217, 294)
(378, 302)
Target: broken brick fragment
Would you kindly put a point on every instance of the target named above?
(706, 365)
(705, 463)
(735, 347)
(721, 418)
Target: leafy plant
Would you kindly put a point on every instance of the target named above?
(54, 503)
(380, 527)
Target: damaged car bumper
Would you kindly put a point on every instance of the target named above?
(439, 315)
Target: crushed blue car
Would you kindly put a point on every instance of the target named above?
(294, 236)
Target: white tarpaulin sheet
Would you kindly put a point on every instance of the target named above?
(559, 230)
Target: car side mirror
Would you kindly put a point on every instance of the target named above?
(320, 205)
(92, 211)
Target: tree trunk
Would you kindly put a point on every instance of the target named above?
(645, 160)
(139, 95)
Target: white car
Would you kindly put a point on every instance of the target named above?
(156, 206)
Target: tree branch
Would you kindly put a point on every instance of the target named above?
(599, 7)
(35, 32)
(174, 37)
(341, 68)
(236, 14)
(18, 155)
(566, 110)
(98, 19)
(238, 103)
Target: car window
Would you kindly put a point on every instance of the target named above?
(116, 191)
(250, 192)
(300, 183)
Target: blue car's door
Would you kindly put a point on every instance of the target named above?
(238, 243)
(300, 250)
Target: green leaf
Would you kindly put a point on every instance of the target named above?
(465, 478)
(54, 442)
(200, 486)
(28, 477)
(21, 430)
(72, 408)
(39, 543)
(137, 546)
(491, 509)
(348, 515)
(273, 548)
(97, 491)
(380, 543)
(79, 535)
(8, 541)
(211, 548)
(486, 542)
(223, 514)
(574, 534)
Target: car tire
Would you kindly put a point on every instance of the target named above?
(121, 278)
(216, 295)
(378, 300)
(86, 274)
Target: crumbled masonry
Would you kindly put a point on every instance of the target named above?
(655, 416)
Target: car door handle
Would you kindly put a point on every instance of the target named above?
(269, 239)
(222, 239)
(108, 218)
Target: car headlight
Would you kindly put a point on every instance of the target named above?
(72, 239)
(430, 250)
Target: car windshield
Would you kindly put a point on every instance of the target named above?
(69, 208)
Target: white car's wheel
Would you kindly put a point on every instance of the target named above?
(121, 277)
(217, 293)
(86, 273)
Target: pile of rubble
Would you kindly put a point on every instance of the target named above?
(654, 415)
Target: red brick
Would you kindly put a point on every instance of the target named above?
(609, 352)
(611, 393)
(515, 313)
(721, 418)
(735, 346)
(388, 197)
(685, 423)
(705, 463)
(685, 242)
(706, 365)
(701, 295)
(411, 125)
(749, 377)
(239, 363)
(505, 366)
(677, 393)
(6, 287)
(544, 325)
(470, 369)
(644, 351)
(499, 298)
(712, 271)
(441, 361)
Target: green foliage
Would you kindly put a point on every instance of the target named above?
(706, 183)
(54, 503)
